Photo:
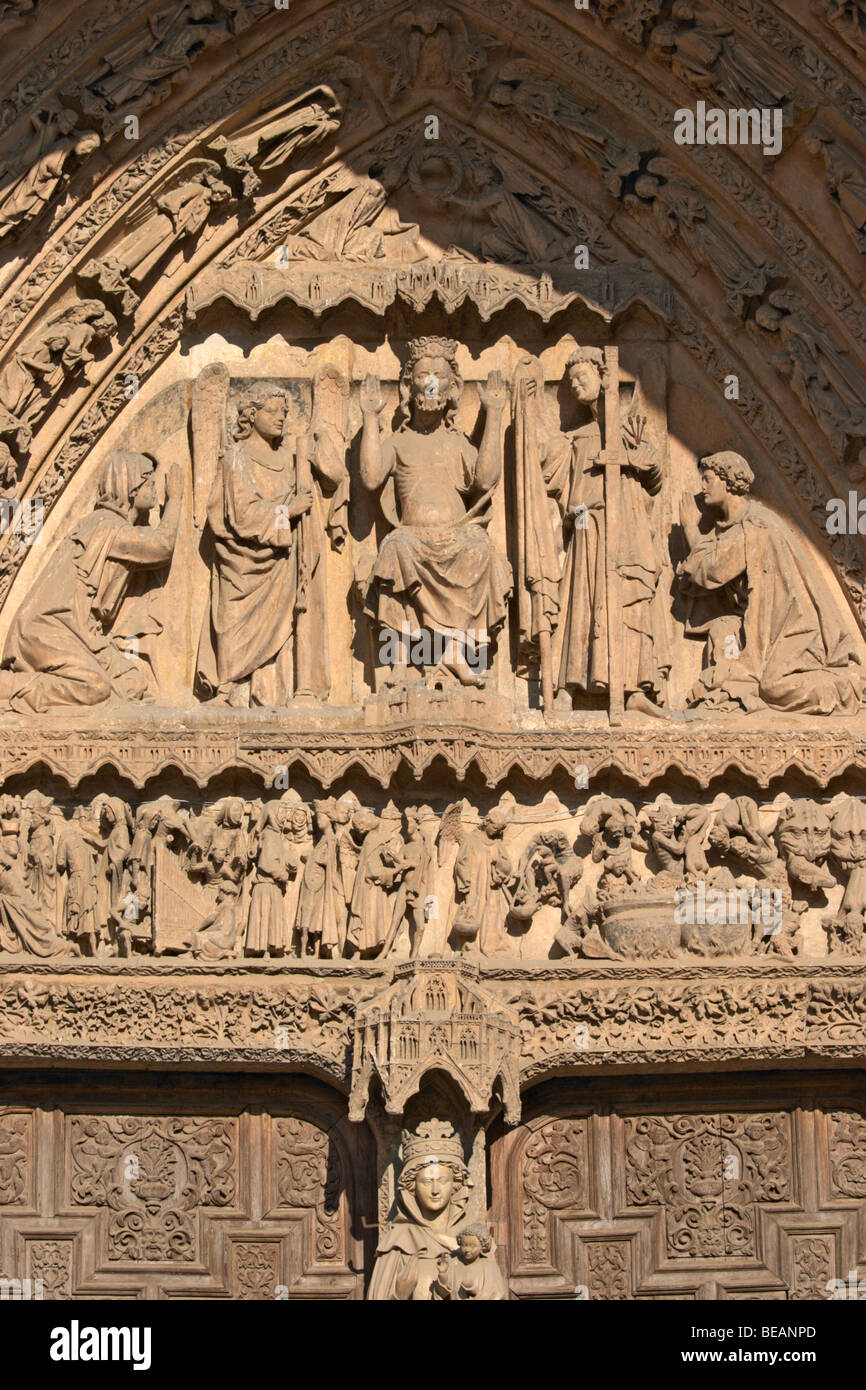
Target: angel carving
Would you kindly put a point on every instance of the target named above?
(270, 140)
(276, 496)
(431, 48)
(179, 209)
(822, 375)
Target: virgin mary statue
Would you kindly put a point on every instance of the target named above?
(431, 1197)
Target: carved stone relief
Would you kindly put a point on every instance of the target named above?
(288, 880)
(426, 665)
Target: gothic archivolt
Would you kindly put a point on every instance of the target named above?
(425, 663)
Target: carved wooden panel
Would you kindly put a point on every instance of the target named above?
(113, 1194)
(708, 1191)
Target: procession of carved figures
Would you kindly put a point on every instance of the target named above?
(579, 561)
(331, 879)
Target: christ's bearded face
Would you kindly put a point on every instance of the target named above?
(431, 385)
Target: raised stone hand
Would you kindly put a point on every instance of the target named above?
(174, 482)
(494, 395)
(372, 400)
(689, 519)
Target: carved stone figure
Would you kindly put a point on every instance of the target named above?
(843, 179)
(228, 856)
(356, 223)
(328, 882)
(140, 69)
(267, 536)
(38, 852)
(414, 864)
(772, 633)
(572, 469)
(42, 166)
(484, 876)
(134, 924)
(10, 824)
(24, 925)
(737, 835)
(380, 864)
(268, 926)
(431, 1197)
(848, 19)
(471, 1271)
(298, 836)
(548, 108)
(822, 376)
(67, 642)
(269, 142)
(705, 53)
(437, 569)
(179, 210)
(431, 46)
(679, 209)
(79, 847)
(803, 835)
(115, 823)
(611, 825)
(13, 11)
(676, 836)
(845, 928)
(57, 352)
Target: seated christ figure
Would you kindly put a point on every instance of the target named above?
(437, 570)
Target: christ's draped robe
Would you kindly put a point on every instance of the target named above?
(438, 566)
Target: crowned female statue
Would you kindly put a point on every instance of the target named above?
(420, 1256)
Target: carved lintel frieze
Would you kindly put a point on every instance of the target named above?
(573, 1019)
(202, 749)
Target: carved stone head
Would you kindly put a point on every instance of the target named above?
(725, 475)
(434, 1175)
(583, 369)
(430, 382)
(127, 483)
(262, 412)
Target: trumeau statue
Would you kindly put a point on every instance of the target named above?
(437, 569)
(427, 1253)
